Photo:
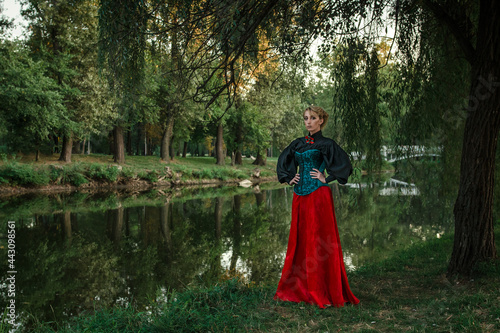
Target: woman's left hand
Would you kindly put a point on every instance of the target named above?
(316, 174)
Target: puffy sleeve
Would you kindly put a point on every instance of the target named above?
(337, 163)
(287, 167)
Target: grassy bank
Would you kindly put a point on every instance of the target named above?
(407, 293)
(23, 174)
(99, 170)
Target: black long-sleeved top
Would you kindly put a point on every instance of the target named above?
(337, 163)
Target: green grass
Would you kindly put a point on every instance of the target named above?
(406, 293)
(84, 169)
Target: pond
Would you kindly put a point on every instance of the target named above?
(80, 251)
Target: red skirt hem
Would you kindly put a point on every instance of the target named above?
(314, 270)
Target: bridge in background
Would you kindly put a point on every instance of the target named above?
(390, 187)
(392, 154)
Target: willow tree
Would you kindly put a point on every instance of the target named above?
(233, 28)
(437, 41)
(221, 35)
(477, 35)
(441, 45)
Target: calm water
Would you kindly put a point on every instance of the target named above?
(79, 251)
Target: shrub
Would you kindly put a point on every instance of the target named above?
(68, 175)
(25, 174)
(142, 175)
(152, 176)
(206, 173)
(77, 179)
(197, 174)
(100, 172)
(219, 174)
(187, 172)
(235, 173)
(56, 174)
(127, 173)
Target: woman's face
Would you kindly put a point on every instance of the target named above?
(312, 122)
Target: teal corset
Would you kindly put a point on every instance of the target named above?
(309, 160)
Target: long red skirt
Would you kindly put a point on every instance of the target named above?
(314, 269)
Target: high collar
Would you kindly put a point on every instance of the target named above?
(316, 135)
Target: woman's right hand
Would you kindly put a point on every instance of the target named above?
(295, 179)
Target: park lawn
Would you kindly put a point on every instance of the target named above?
(139, 162)
(406, 293)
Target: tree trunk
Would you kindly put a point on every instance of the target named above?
(219, 203)
(171, 148)
(74, 222)
(236, 232)
(220, 144)
(77, 147)
(56, 143)
(67, 226)
(66, 149)
(166, 138)
(238, 158)
(147, 232)
(126, 221)
(474, 237)
(118, 224)
(214, 263)
(150, 146)
(138, 141)
(129, 142)
(119, 146)
(166, 149)
(145, 142)
(111, 143)
(185, 149)
(260, 198)
(165, 228)
(260, 160)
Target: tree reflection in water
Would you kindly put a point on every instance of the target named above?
(82, 251)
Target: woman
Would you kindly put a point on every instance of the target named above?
(314, 269)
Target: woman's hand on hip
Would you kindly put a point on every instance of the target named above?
(316, 174)
(295, 179)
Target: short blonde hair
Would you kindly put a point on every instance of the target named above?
(319, 112)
